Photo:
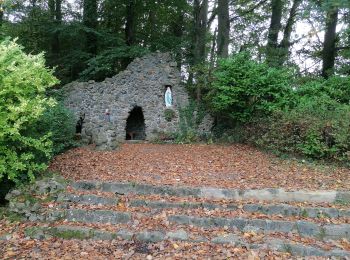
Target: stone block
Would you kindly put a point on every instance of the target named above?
(178, 235)
(337, 231)
(98, 216)
(124, 234)
(307, 229)
(226, 239)
(85, 185)
(150, 236)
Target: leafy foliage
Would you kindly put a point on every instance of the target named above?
(336, 87)
(23, 80)
(108, 63)
(169, 114)
(316, 128)
(243, 89)
(190, 118)
(59, 123)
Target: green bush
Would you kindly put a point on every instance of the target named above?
(23, 82)
(243, 88)
(336, 87)
(169, 114)
(191, 117)
(316, 128)
(59, 122)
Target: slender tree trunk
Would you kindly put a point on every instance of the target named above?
(274, 29)
(223, 28)
(90, 21)
(52, 7)
(152, 20)
(130, 23)
(200, 31)
(212, 52)
(285, 43)
(1, 15)
(199, 41)
(177, 28)
(329, 44)
(56, 18)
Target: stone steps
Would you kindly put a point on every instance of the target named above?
(243, 224)
(269, 209)
(280, 195)
(282, 245)
(152, 214)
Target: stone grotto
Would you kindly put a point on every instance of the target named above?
(130, 105)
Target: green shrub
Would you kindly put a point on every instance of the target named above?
(59, 122)
(190, 117)
(317, 128)
(23, 82)
(169, 114)
(336, 87)
(243, 89)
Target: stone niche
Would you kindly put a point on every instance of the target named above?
(129, 106)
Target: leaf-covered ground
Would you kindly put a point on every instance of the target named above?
(234, 166)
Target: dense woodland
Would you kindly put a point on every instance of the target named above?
(273, 73)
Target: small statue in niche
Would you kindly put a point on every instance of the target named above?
(168, 97)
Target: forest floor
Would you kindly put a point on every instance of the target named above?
(197, 165)
(232, 166)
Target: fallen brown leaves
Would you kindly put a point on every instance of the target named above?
(235, 166)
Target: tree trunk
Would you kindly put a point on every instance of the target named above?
(200, 31)
(329, 44)
(223, 28)
(199, 41)
(56, 17)
(152, 20)
(212, 51)
(274, 29)
(285, 43)
(1, 15)
(90, 21)
(130, 23)
(177, 28)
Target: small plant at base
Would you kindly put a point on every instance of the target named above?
(169, 114)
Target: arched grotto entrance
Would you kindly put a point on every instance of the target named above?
(135, 125)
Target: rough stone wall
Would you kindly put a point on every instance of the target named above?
(142, 84)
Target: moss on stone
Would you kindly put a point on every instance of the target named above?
(322, 234)
(304, 213)
(72, 234)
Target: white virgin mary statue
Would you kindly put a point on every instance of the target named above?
(168, 98)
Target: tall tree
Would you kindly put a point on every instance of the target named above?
(55, 9)
(1, 14)
(329, 43)
(90, 22)
(274, 29)
(223, 28)
(130, 23)
(200, 17)
(177, 29)
(285, 43)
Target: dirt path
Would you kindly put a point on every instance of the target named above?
(235, 166)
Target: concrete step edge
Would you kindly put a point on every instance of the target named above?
(217, 193)
(73, 232)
